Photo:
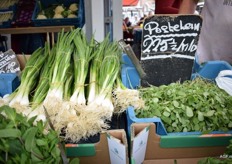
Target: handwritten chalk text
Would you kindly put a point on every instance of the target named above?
(152, 27)
(153, 44)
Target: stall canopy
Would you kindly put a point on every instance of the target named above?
(130, 2)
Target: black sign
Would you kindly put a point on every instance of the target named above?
(169, 44)
(9, 62)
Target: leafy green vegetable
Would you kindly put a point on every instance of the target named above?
(196, 105)
(189, 112)
(10, 133)
(24, 142)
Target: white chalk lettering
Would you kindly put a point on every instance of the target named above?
(164, 29)
(154, 27)
(11, 65)
(173, 45)
(1, 54)
(161, 45)
(174, 27)
(14, 70)
(7, 58)
(149, 28)
(148, 57)
(2, 65)
(152, 42)
(186, 46)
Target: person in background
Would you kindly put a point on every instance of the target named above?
(215, 40)
(134, 21)
(150, 13)
(167, 6)
(141, 20)
(127, 31)
(126, 22)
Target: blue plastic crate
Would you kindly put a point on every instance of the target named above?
(8, 83)
(131, 118)
(77, 22)
(160, 128)
(130, 77)
(23, 13)
(129, 74)
(127, 61)
(211, 69)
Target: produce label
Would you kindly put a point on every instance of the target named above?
(117, 151)
(9, 62)
(140, 145)
(169, 44)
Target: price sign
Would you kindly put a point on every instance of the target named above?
(9, 62)
(169, 43)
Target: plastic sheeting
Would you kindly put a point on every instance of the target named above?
(224, 81)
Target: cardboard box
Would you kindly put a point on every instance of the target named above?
(172, 161)
(111, 149)
(179, 139)
(146, 147)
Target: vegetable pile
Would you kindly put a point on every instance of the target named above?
(5, 16)
(5, 4)
(23, 142)
(196, 105)
(57, 11)
(78, 82)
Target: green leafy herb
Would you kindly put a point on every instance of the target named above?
(24, 142)
(196, 105)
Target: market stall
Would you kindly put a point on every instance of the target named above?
(84, 98)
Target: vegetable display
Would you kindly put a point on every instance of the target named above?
(5, 16)
(197, 105)
(77, 81)
(28, 80)
(57, 11)
(23, 142)
(4, 4)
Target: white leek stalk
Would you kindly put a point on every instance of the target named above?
(28, 81)
(64, 49)
(108, 72)
(82, 57)
(124, 97)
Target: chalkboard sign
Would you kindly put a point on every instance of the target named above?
(169, 43)
(9, 62)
